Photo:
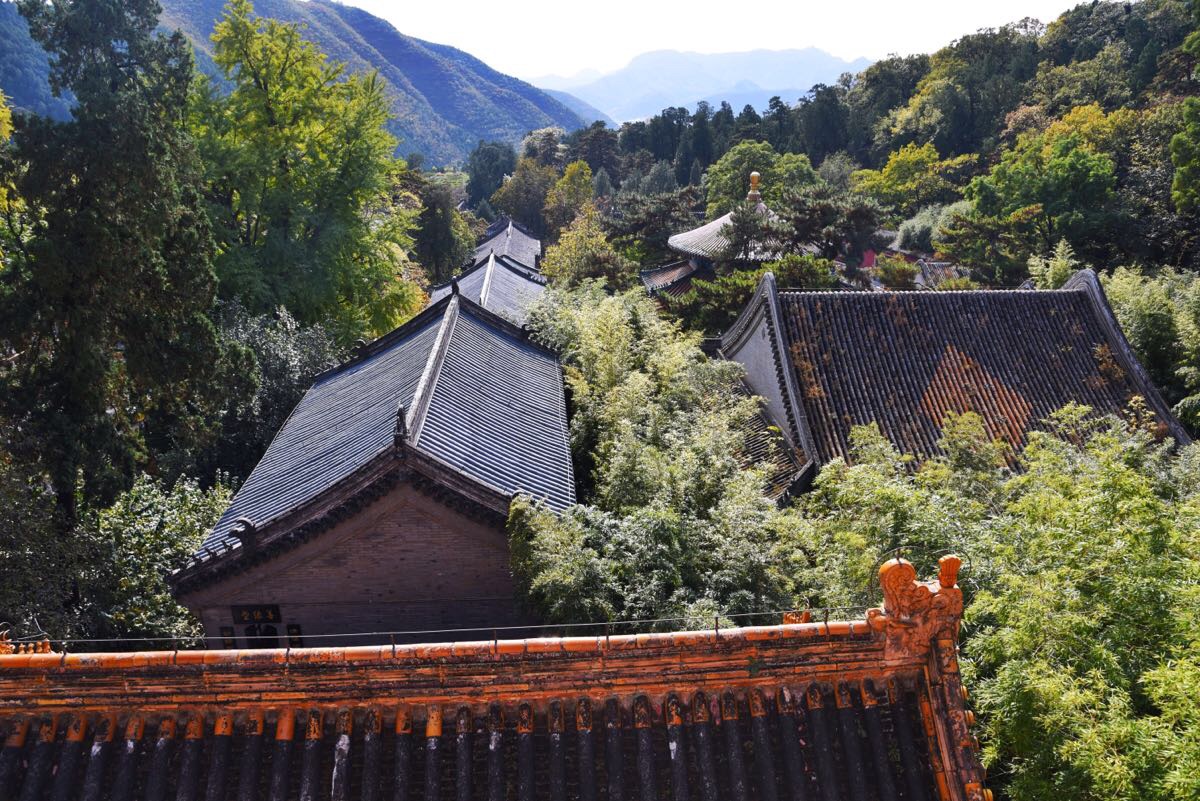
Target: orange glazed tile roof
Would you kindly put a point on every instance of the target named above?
(865, 709)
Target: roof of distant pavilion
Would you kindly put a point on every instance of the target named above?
(499, 285)
(508, 238)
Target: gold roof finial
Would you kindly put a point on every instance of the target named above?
(754, 196)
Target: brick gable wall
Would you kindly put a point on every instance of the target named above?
(407, 562)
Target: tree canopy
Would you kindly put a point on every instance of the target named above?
(728, 180)
(103, 298)
(302, 180)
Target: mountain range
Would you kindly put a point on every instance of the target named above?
(443, 100)
(653, 81)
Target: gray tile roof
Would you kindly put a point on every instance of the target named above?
(477, 396)
(498, 414)
(657, 278)
(709, 240)
(904, 360)
(677, 278)
(499, 285)
(506, 238)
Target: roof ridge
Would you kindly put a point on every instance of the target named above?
(514, 266)
(381, 343)
(1088, 282)
(423, 393)
(487, 279)
(503, 324)
(660, 268)
(926, 294)
(457, 277)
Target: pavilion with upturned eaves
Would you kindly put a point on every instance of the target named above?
(701, 249)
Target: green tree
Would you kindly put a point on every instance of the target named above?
(597, 145)
(1185, 155)
(523, 195)
(602, 185)
(917, 232)
(994, 247)
(728, 180)
(444, 240)
(107, 577)
(583, 252)
(281, 358)
(1051, 272)
(545, 147)
(896, 272)
(674, 525)
(640, 225)
(302, 180)
(1156, 230)
(5, 119)
(660, 180)
(41, 590)
(1065, 185)
(569, 194)
(9, 208)
(1160, 314)
(960, 104)
(822, 119)
(487, 165)
(749, 234)
(779, 125)
(873, 93)
(1185, 146)
(1078, 641)
(149, 532)
(839, 224)
(712, 306)
(1103, 79)
(912, 178)
(103, 305)
(836, 170)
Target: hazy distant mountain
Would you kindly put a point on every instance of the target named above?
(444, 100)
(584, 110)
(560, 82)
(653, 81)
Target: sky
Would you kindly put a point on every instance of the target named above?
(533, 38)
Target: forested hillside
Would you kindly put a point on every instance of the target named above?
(443, 100)
(996, 147)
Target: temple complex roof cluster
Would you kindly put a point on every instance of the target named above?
(498, 284)
(510, 241)
(502, 275)
(866, 707)
(404, 458)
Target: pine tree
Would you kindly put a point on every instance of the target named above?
(104, 305)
